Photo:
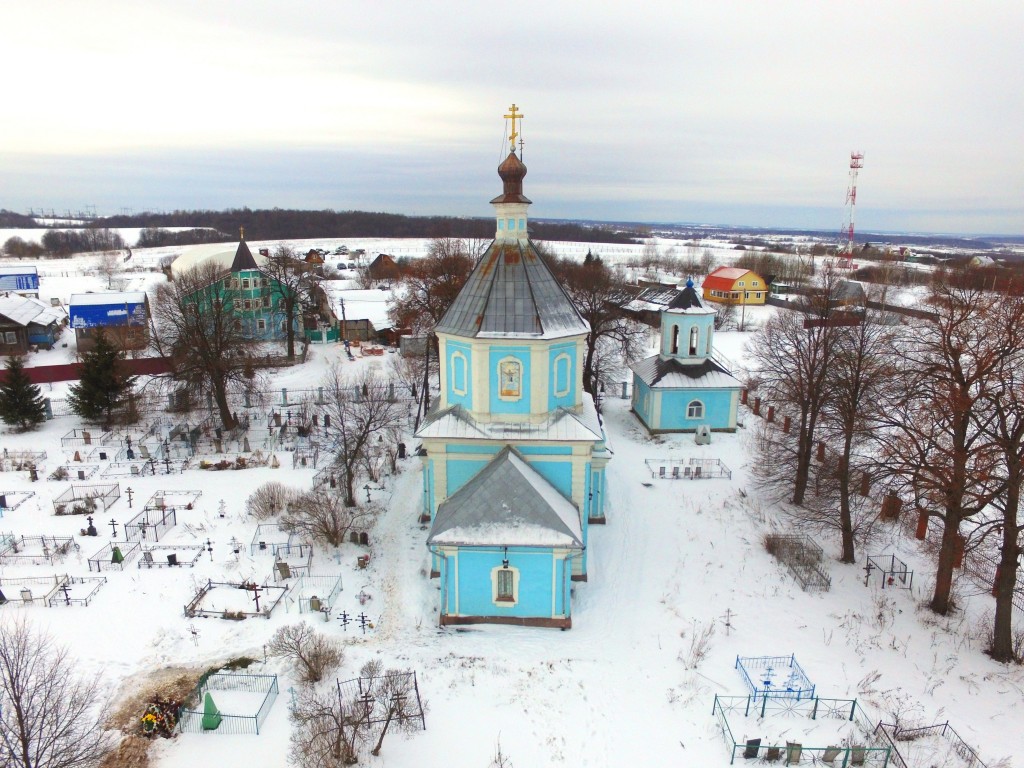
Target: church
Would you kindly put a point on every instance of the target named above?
(683, 387)
(514, 452)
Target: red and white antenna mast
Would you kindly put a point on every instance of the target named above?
(856, 163)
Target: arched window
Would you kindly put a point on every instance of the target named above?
(693, 340)
(563, 380)
(695, 410)
(458, 373)
(675, 340)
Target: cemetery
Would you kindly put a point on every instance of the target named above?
(234, 600)
(35, 550)
(229, 703)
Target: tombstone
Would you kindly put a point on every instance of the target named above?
(314, 602)
(753, 746)
(87, 438)
(703, 435)
(3, 501)
(284, 570)
(675, 472)
(130, 454)
(116, 557)
(793, 750)
(211, 715)
(401, 450)
(147, 557)
(245, 445)
(33, 474)
(364, 539)
(26, 595)
(277, 419)
(217, 446)
(831, 753)
(319, 398)
(327, 421)
(858, 755)
(78, 456)
(81, 474)
(103, 455)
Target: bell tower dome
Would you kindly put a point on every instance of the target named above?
(510, 206)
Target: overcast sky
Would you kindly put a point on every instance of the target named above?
(713, 112)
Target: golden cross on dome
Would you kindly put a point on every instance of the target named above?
(514, 115)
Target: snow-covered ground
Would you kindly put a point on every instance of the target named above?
(630, 684)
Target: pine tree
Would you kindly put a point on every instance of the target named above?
(102, 387)
(21, 402)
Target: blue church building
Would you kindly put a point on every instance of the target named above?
(514, 449)
(683, 387)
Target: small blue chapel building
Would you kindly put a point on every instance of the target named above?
(683, 387)
(514, 452)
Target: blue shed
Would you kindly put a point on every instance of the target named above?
(22, 280)
(123, 316)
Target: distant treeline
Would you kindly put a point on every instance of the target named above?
(282, 224)
(153, 237)
(64, 242)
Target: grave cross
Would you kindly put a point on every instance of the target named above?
(209, 548)
(129, 491)
(195, 634)
(343, 617)
(867, 572)
(364, 620)
(113, 528)
(256, 596)
(67, 594)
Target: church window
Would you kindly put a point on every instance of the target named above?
(695, 410)
(511, 224)
(693, 340)
(501, 223)
(675, 340)
(234, 283)
(563, 368)
(245, 283)
(522, 223)
(247, 304)
(238, 325)
(237, 303)
(708, 352)
(266, 301)
(505, 584)
(458, 373)
(510, 375)
(261, 325)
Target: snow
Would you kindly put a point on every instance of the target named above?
(629, 684)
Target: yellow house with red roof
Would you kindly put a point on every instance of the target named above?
(735, 285)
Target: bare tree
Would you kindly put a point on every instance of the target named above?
(313, 653)
(327, 730)
(291, 281)
(109, 266)
(49, 718)
(360, 410)
(934, 426)
(432, 283)
(861, 368)
(792, 353)
(196, 328)
(324, 516)
(390, 699)
(598, 295)
(270, 499)
(1007, 433)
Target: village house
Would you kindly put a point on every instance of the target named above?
(26, 322)
(121, 316)
(21, 280)
(735, 285)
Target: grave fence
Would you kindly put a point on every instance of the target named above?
(191, 720)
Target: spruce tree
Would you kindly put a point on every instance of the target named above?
(21, 402)
(103, 387)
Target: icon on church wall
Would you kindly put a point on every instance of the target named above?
(510, 376)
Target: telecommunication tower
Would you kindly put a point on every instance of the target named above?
(846, 248)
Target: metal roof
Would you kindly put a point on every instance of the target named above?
(562, 425)
(507, 503)
(24, 310)
(243, 258)
(511, 292)
(672, 373)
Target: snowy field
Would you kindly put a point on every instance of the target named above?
(680, 585)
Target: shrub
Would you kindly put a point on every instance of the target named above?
(313, 654)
